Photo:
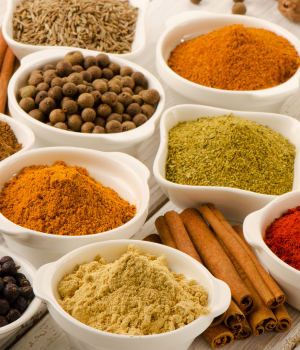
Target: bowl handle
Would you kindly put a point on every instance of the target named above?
(183, 17)
(223, 297)
(41, 283)
(252, 231)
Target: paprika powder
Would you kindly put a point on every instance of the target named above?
(283, 237)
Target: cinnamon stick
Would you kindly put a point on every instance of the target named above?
(153, 238)
(222, 230)
(164, 232)
(3, 47)
(275, 289)
(215, 259)
(217, 320)
(5, 75)
(245, 332)
(218, 336)
(284, 321)
(234, 317)
(16, 67)
(180, 236)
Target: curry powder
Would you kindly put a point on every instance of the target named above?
(62, 200)
(236, 58)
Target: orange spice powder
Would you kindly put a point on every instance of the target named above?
(236, 58)
(62, 200)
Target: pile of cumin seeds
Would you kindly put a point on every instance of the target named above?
(100, 25)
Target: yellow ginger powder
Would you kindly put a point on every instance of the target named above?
(136, 294)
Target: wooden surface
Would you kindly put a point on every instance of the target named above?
(42, 332)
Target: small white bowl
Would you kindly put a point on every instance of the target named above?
(189, 25)
(255, 224)
(121, 172)
(235, 204)
(46, 136)
(84, 337)
(22, 132)
(20, 50)
(29, 271)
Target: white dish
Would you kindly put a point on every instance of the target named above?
(82, 336)
(22, 132)
(119, 171)
(189, 25)
(255, 224)
(20, 50)
(29, 271)
(235, 204)
(127, 142)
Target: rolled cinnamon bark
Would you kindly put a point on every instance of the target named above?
(3, 47)
(5, 75)
(245, 332)
(222, 230)
(164, 232)
(217, 320)
(218, 336)
(153, 238)
(284, 321)
(234, 317)
(215, 259)
(180, 236)
(275, 289)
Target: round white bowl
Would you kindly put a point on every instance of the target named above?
(23, 133)
(121, 172)
(29, 271)
(46, 136)
(189, 25)
(21, 50)
(255, 224)
(235, 204)
(84, 337)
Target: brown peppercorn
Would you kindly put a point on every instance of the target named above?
(64, 68)
(114, 67)
(150, 96)
(118, 108)
(126, 117)
(57, 81)
(139, 79)
(61, 125)
(100, 85)
(56, 93)
(116, 81)
(110, 98)
(28, 91)
(138, 89)
(99, 130)
(75, 122)
(103, 111)
(66, 98)
(139, 119)
(100, 122)
(90, 61)
(86, 101)
(103, 60)
(47, 105)
(43, 87)
(74, 58)
(57, 115)
(126, 71)
(148, 110)
(87, 127)
(133, 109)
(137, 99)
(35, 79)
(86, 76)
(47, 67)
(95, 72)
(77, 69)
(97, 97)
(127, 89)
(114, 116)
(70, 107)
(128, 82)
(90, 89)
(126, 126)
(75, 78)
(113, 127)
(88, 115)
(51, 72)
(50, 124)
(107, 73)
(40, 96)
(125, 98)
(64, 80)
(239, 9)
(114, 88)
(82, 89)
(37, 115)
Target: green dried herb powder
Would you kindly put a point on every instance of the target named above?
(230, 152)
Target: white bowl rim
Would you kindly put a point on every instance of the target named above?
(108, 155)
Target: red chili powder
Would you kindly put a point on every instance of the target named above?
(283, 237)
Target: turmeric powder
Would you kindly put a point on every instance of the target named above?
(236, 58)
(62, 200)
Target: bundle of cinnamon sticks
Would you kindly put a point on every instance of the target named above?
(8, 65)
(257, 301)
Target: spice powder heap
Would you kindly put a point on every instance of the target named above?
(236, 58)
(62, 200)
(134, 295)
(8, 141)
(231, 152)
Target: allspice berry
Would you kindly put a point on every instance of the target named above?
(99, 122)
(28, 91)
(103, 111)
(148, 110)
(103, 60)
(88, 115)
(114, 67)
(239, 9)
(27, 104)
(100, 85)
(139, 79)
(87, 76)
(82, 89)
(107, 73)
(128, 82)
(118, 108)
(74, 58)
(56, 93)
(57, 81)
(126, 71)
(126, 117)
(137, 99)
(99, 130)
(64, 68)
(133, 109)
(127, 89)
(70, 107)
(40, 96)
(75, 122)
(35, 79)
(87, 127)
(47, 105)
(86, 100)
(61, 125)
(75, 78)
(47, 67)
(95, 72)
(126, 126)
(57, 115)
(97, 97)
(114, 116)
(138, 89)
(69, 89)
(77, 69)
(37, 115)
(150, 96)
(125, 98)
(114, 88)
(113, 127)
(139, 119)
(90, 61)
(43, 87)
(110, 98)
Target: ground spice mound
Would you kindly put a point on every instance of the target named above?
(8, 141)
(283, 237)
(236, 58)
(62, 200)
(229, 151)
(135, 295)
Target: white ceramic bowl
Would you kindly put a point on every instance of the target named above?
(20, 50)
(235, 204)
(22, 132)
(255, 224)
(29, 271)
(127, 142)
(84, 337)
(121, 172)
(189, 25)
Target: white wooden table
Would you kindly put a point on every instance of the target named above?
(42, 332)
